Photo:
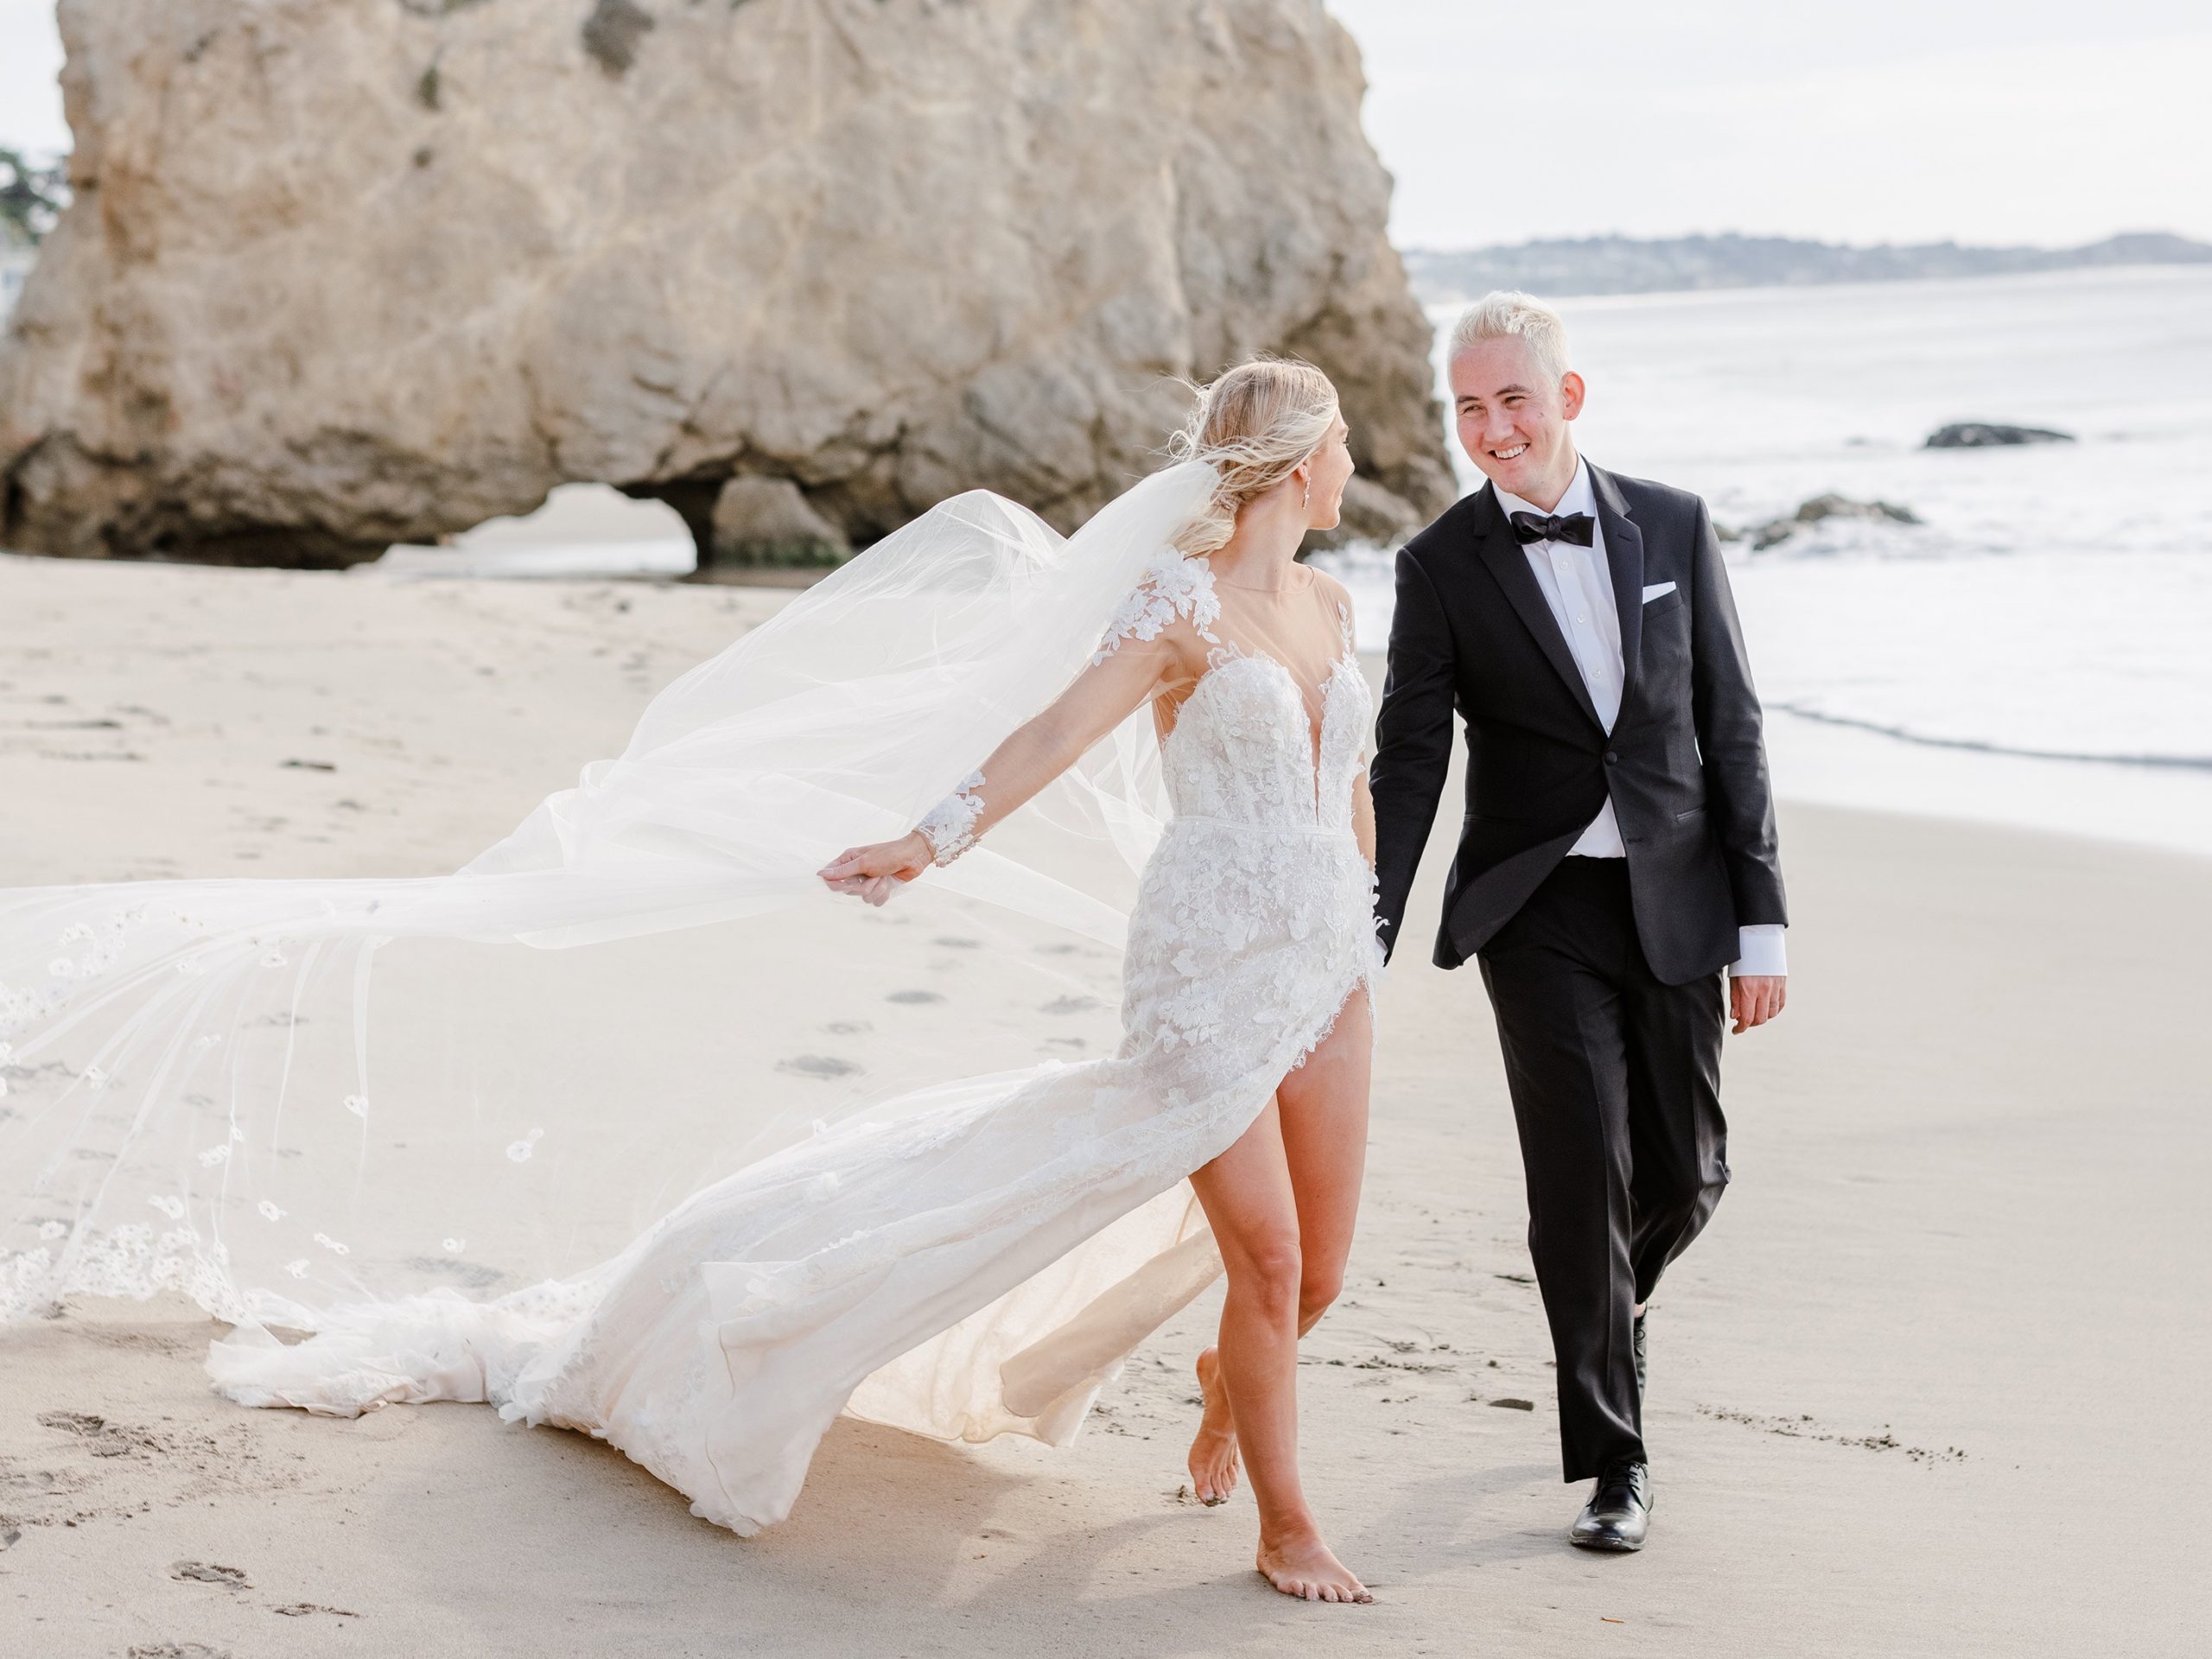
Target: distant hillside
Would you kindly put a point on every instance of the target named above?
(1620, 264)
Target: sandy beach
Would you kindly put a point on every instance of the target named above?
(1919, 1390)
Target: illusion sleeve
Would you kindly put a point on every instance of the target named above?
(1140, 657)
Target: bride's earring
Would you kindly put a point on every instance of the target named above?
(1305, 494)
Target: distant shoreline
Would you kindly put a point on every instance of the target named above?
(1606, 265)
(1442, 312)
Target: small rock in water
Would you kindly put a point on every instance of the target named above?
(1827, 507)
(1983, 435)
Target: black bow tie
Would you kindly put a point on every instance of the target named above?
(1535, 527)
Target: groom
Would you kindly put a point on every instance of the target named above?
(1617, 852)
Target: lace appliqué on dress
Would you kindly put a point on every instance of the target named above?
(949, 826)
(1175, 585)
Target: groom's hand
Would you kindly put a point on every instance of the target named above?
(1754, 998)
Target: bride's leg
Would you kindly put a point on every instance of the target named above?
(1323, 1118)
(1324, 1115)
(1249, 1200)
(1213, 1458)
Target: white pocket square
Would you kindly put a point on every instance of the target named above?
(1658, 592)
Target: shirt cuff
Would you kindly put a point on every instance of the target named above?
(1760, 951)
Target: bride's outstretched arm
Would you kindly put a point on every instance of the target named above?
(1114, 687)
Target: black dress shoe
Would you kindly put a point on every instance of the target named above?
(1638, 1346)
(1618, 1513)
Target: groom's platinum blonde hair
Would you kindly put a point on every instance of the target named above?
(1508, 312)
(1255, 427)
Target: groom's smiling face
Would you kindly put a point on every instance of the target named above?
(1513, 418)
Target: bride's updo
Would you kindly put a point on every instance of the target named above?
(1253, 426)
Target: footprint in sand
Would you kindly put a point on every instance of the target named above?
(208, 1573)
(102, 1437)
(915, 996)
(36, 1482)
(818, 1065)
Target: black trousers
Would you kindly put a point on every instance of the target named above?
(1616, 1086)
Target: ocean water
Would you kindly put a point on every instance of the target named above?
(2038, 650)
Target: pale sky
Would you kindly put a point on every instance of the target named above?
(2046, 122)
(2035, 121)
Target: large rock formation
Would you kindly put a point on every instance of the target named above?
(345, 272)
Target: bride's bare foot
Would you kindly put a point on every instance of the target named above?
(1213, 1449)
(1305, 1567)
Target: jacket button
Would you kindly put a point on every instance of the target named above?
(1612, 759)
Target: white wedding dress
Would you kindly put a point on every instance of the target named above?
(978, 1258)
(446, 1126)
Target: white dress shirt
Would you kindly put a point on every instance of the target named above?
(1577, 585)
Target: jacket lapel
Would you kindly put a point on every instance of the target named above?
(1625, 554)
(1508, 566)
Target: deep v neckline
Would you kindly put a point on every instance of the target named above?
(1229, 651)
(1183, 586)
(1346, 662)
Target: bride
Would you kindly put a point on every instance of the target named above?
(964, 1259)
(1257, 898)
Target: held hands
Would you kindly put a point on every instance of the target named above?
(1754, 998)
(873, 872)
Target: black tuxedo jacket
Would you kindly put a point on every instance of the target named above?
(1684, 764)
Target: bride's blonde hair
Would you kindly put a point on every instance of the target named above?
(1254, 427)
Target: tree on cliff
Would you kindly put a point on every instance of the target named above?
(31, 196)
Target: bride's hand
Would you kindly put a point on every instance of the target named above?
(873, 872)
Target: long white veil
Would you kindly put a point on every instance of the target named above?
(283, 1097)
